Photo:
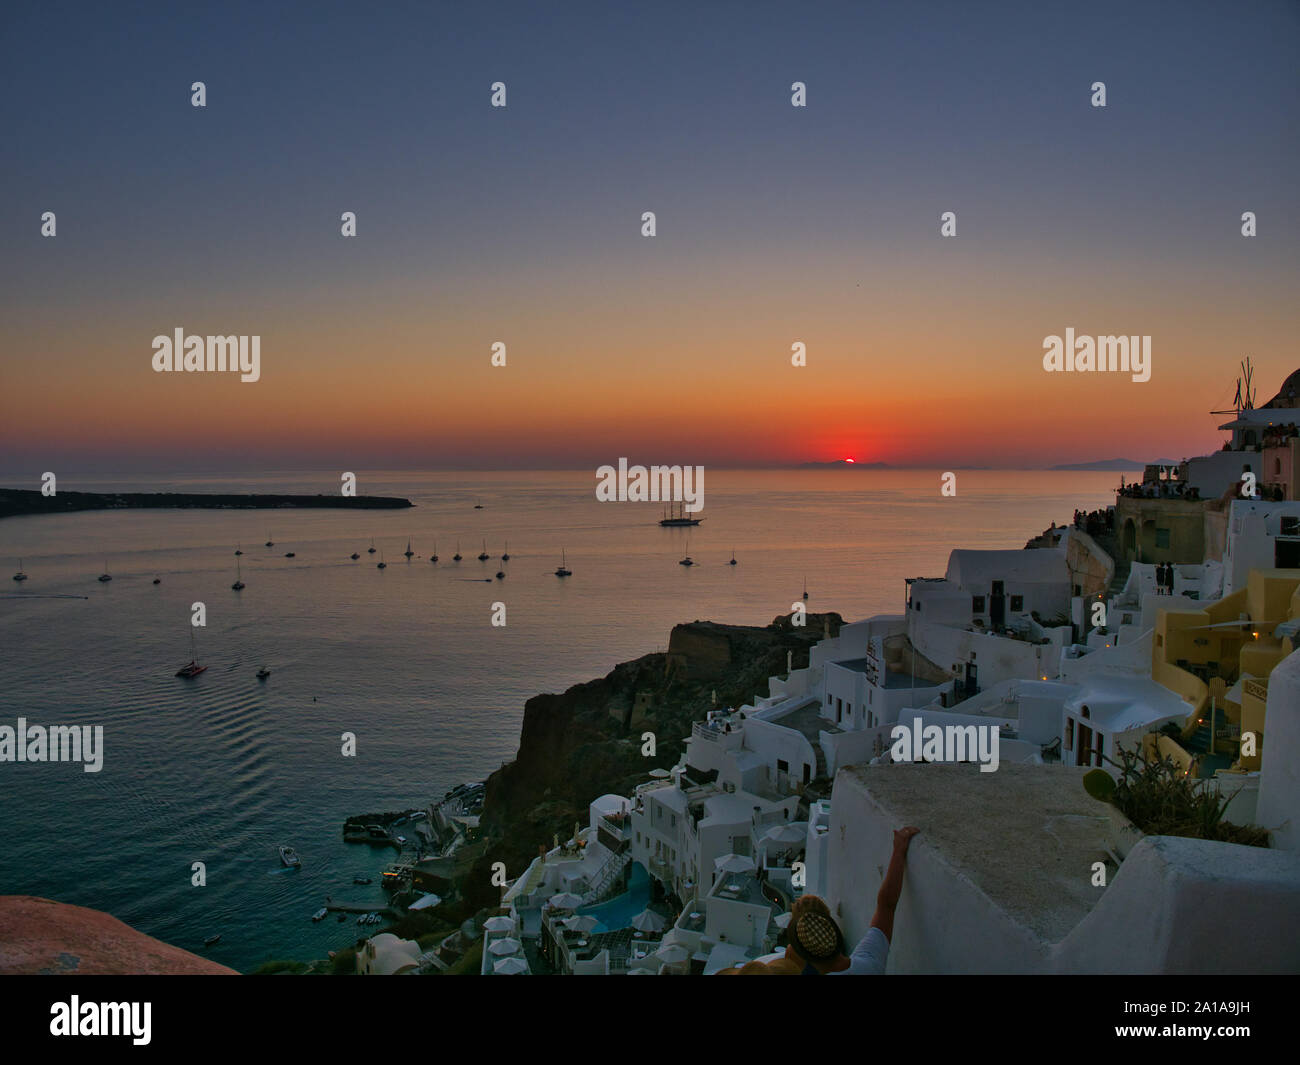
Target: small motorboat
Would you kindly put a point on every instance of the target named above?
(288, 554)
(501, 575)
(157, 580)
(212, 940)
(320, 914)
(263, 673)
(355, 556)
(290, 857)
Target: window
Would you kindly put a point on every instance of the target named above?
(1069, 733)
(782, 766)
(977, 604)
(839, 710)
(1162, 538)
(807, 773)
(828, 698)
(674, 821)
(1017, 603)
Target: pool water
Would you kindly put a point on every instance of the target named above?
(618, 912)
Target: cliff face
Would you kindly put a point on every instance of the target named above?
(588, 742)
(41, 937)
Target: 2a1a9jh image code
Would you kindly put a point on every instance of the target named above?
(1176, 1007)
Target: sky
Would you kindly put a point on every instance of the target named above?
(774, 225)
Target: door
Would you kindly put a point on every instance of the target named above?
(997, 607)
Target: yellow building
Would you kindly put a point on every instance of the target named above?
(1201, 654)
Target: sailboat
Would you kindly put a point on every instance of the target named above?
(478, 505)
(483, 556)
(805, 587)
(238, 586)
(456, 556)
(408, 552)
(687, 561)
(105, 577)
(382, 563)
(505, 555)
(20, 575)
(269, 541)
(371, 549)
(239, 549)
(564, 570)
(678, 516)
(355, 556)
(434, 557)
(192, 669)
(157, 580)
(501, 574)
(733, 557)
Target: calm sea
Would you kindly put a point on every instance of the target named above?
(225, 768)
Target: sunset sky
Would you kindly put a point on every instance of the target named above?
(775, 224)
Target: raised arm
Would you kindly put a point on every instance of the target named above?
(892, 886)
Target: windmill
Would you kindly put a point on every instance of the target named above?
(1245, 397)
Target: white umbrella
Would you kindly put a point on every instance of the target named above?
(733, 863)
(582, 922)
(510, 967)
(648, 921)
(672, 954)
(566, 900)
(660, 774)
(786, 833)
(782, 919)
(504, 946)
(499, 924)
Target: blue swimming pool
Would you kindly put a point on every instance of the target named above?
(618, 912)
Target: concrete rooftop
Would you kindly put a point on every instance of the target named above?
(1025, 836)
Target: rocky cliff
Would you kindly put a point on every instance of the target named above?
(588, 742)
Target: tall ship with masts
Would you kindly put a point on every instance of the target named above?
(676, 515)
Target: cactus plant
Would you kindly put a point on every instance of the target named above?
(1100, 785)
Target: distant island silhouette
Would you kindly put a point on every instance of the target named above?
(17, 501)
(1104, 465)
